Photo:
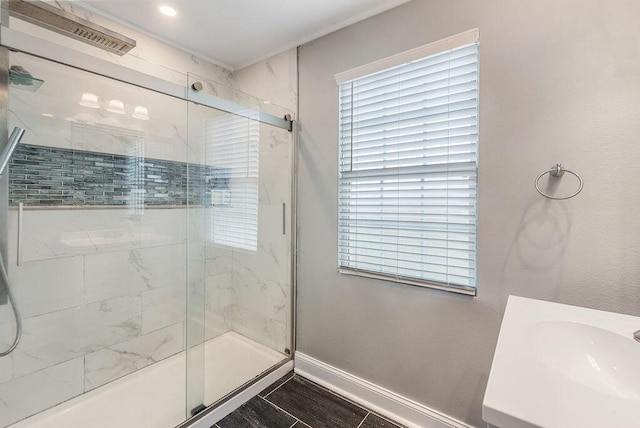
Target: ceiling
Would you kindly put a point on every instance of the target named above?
(237, 33)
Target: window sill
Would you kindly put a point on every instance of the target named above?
(467, 291)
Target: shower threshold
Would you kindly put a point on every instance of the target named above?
(154, 396)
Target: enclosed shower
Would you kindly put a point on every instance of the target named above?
(148, 242)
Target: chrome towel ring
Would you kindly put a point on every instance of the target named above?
(557, 172)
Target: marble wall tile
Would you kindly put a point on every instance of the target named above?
(38, 391)
(219, 260)
(45, 286)
(217, 322)
(39, 129)
(276, 180)
(133, 271)
(118, 360)
(163, 307)
(6, 365)
(276, 146)
(219, 299)
(110, 321)
(269, 262)
(273, 79)
(60, 336)
(196, 312)
(58, 233)
(263, 330)
(163, 227)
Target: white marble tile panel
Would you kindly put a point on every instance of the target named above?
(273, 79)
(118, 360)
(275, 185)
(217, 323)
(265, 297)
(25, 111)
(60, 336)
(196, 312)
(161, 226)
(38, 391)
(133, 271)
(6, 362)
(162, 307)
(219, 260)
(58, 233)
(110, 321)
(275, 148)
(219, 298)
(45, 286)
(263, 330)
(270, 262)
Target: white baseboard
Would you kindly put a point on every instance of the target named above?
(374, 397)
(229, 406)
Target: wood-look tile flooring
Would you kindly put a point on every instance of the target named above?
(294, 401)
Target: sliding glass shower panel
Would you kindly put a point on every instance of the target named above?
(97, 243)
(245, 220)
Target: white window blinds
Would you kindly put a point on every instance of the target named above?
(407, 171)
(232, 147)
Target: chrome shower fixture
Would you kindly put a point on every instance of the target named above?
(8, 150)
(63, 22)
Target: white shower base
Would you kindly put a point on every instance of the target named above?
(154, 397)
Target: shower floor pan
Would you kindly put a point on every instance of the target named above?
(154, 397)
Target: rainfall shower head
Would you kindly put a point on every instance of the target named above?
(60, 21)
(8, 150)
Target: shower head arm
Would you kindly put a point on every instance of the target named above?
(9, 148)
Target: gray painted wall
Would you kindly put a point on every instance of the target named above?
(560, 82)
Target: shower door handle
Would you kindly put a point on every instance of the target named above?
(13, 141)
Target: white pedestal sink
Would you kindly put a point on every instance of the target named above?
(563, 366)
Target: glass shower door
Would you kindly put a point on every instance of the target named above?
(242, 326)
(97, 244)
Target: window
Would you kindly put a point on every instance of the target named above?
(408, 138)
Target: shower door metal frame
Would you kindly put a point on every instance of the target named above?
(21, 42)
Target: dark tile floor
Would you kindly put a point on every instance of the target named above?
(293, 401)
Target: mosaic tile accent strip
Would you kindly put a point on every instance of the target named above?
(48, 176)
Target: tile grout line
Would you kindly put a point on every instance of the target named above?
(278, 387)
(284, 411)
(363, 419)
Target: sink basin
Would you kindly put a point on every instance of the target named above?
(589, 356)
(558, 366)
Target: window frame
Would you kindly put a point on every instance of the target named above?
(421, 52)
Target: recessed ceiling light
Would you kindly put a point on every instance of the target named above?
(167, 10)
